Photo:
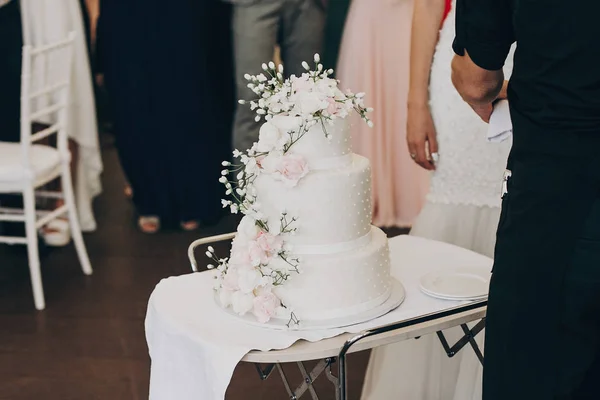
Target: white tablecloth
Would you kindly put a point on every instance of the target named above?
(195, 346)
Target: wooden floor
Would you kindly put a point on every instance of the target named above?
(89, 343)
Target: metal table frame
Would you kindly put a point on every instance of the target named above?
(451, 351)
(325, 366)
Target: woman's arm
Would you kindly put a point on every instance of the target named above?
(421, 134)
(427, 16)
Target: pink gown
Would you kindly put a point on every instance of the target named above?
(374, 59)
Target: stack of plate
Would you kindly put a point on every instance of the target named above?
(457, 284)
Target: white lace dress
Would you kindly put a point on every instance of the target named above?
(462, 208)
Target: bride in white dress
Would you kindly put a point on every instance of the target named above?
(462, 208)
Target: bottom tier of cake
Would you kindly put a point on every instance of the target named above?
(335, 286)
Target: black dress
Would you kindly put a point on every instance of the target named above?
(167, 68)
(11, 43)
(337, 12)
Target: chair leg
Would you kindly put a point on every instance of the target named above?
(32, 249)
(67, 186)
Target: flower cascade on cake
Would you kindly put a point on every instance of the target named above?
(261, 258)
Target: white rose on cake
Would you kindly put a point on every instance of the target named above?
(225, 297)
(242, 302)
(247, 229)
(269, 138)
(308, 103)
(228, 286)
(326, 86)
(302, 83)
(251, 167)
(286, 123)
(230, 280)
(240, 258)
(249, 279)
(270, 162)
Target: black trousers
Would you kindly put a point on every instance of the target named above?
(543, 324)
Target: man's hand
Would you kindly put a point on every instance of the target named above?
(477, 86)
(483, 110)
(421, 136)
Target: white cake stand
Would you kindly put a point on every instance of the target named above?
(397, 295)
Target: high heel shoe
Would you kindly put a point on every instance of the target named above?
(189, 226)
(149, 224)
(56, 233)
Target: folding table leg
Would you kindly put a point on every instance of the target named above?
(308, 377)
(468, 338)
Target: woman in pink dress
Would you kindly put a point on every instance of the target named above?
(374, 59)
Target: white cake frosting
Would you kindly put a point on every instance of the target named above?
(332, 206)
(322, 152)
(343, 284)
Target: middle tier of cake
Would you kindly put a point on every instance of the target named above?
(332, 207)
(341, 285)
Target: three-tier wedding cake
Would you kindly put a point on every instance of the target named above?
(305, 251)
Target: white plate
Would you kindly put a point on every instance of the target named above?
(396, 298)
(454, 298)
(458, 283)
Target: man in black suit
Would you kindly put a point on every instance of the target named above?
(543, 325)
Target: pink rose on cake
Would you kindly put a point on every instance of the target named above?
(288, 168)
(332, 108)
(265, 305)
(257, 255)
(292, 168)
(271, 244)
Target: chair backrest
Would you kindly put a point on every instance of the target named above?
(45, 93)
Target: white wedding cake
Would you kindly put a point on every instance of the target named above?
(305, 251)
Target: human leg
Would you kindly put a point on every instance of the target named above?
(255, 31)
(544, 213)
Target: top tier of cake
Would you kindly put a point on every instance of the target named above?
(322, 152)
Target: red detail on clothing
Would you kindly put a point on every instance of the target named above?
(447, 9)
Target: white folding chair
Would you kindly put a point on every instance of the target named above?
(26, 166)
